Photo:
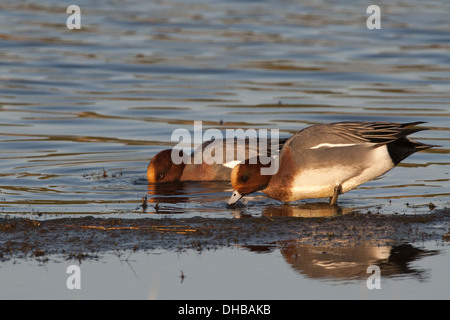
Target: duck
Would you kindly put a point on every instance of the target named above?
(327, 160)
(213, 164)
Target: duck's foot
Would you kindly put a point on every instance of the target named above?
(337, 192)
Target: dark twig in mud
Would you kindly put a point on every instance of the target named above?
(144, 204)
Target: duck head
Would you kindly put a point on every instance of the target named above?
(246, 178)
(162, 169)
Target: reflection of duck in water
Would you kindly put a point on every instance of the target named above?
(174, 197)
(346, 263)
(306, 210)
(167, 192)
(214, 157)
(328, 160)
(164, 198)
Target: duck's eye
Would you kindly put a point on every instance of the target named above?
(161, 176)
(244, 178)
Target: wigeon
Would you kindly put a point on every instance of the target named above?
(327, 160)
(213, 166)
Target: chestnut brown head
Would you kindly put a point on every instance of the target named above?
(162, 169)
(246, 178)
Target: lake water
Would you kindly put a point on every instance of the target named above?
(234, 273)
(83, 111)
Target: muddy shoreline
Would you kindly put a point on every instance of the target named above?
(89, 237)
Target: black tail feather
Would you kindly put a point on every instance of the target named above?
(402, 148)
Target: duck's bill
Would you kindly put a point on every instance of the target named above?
(234, 197)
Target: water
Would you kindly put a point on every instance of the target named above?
(237, 274)
(83, 111)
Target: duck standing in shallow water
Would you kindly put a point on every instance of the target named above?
(327, 160)
(162, 168)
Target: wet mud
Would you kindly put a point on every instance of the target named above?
(89, 237)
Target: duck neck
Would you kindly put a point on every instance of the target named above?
(280, 183)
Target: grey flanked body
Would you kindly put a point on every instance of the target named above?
(330, 159)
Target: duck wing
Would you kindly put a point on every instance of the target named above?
(352, 133)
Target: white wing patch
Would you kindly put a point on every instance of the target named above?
(232, 164)
(333, 145)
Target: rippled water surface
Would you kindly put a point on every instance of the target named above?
(83, 111)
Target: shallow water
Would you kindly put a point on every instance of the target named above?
(83, 111)
(287, 273)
